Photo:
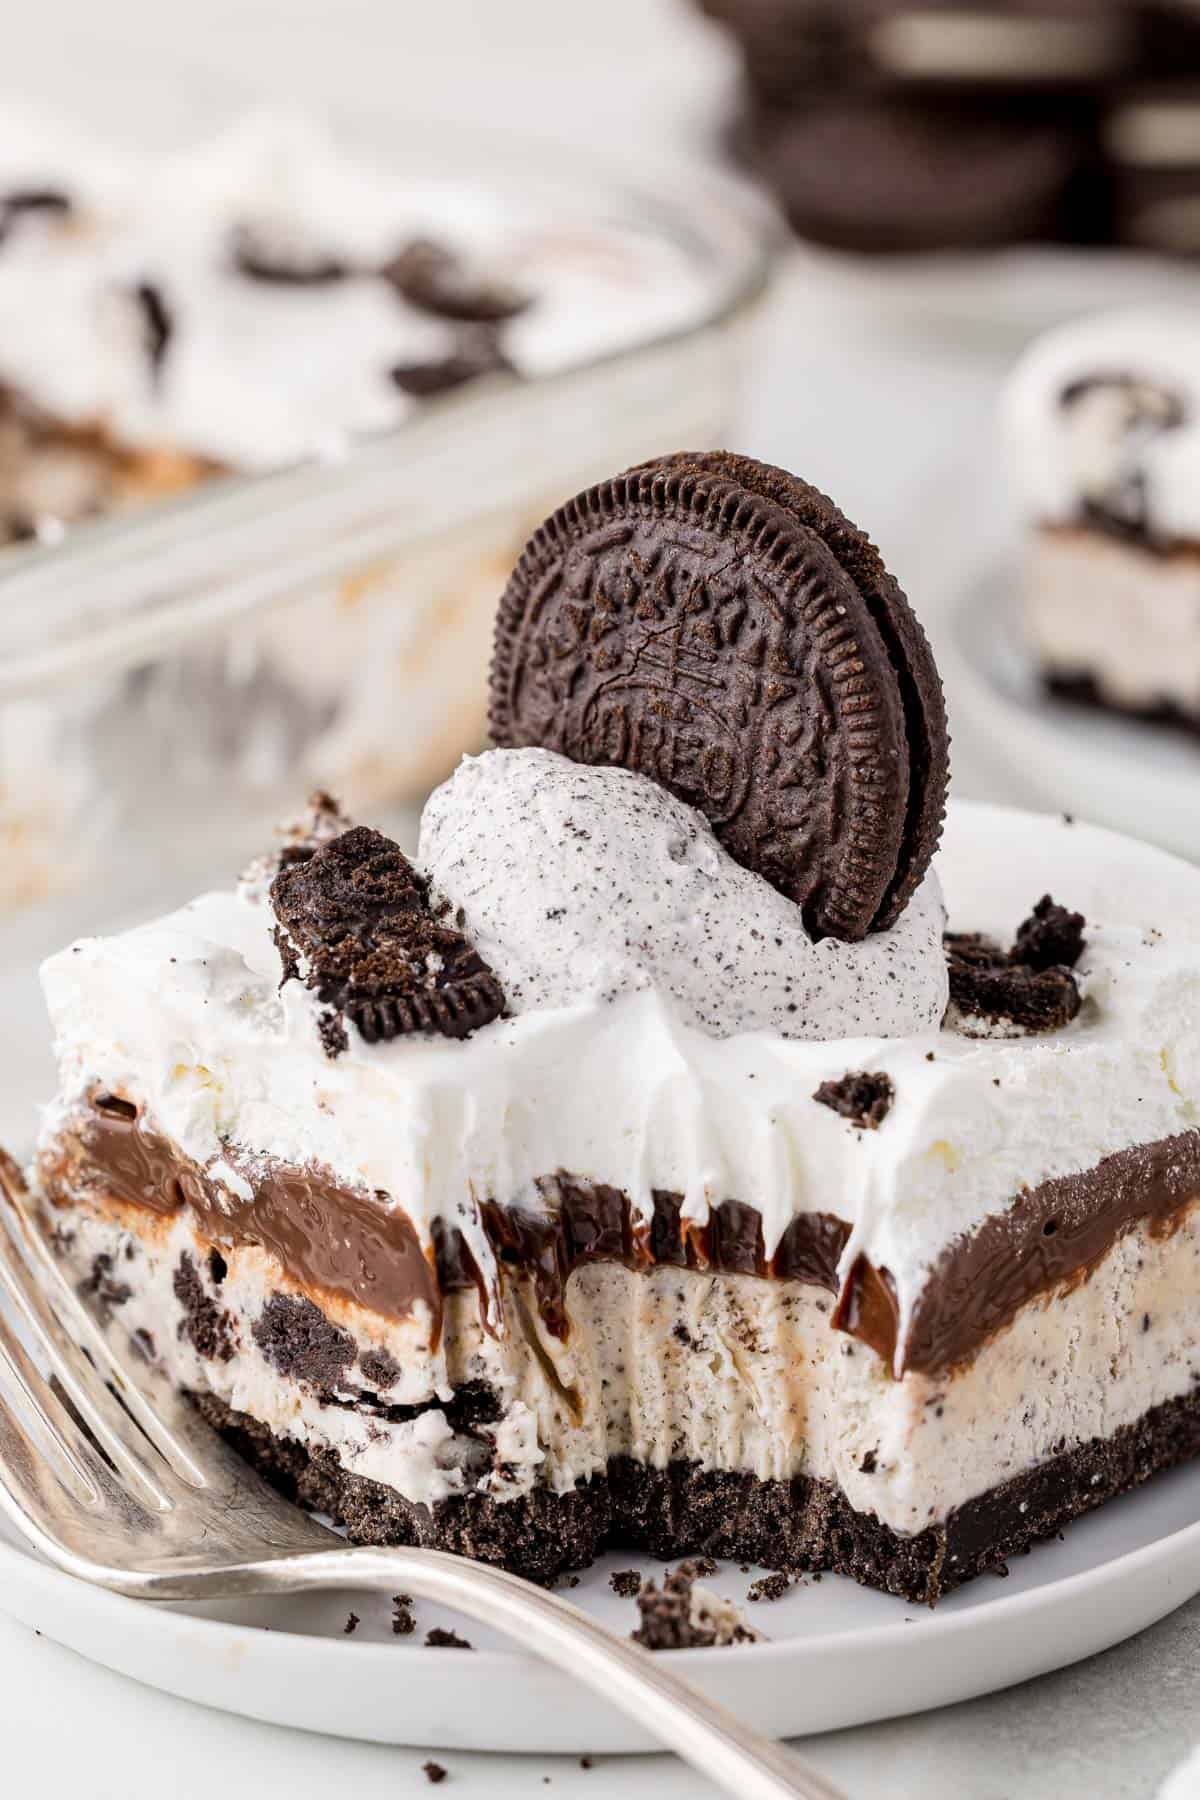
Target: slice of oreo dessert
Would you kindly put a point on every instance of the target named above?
(674, 1153)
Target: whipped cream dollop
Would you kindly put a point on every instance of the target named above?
(579, 884)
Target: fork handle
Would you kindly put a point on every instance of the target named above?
(701, 1731)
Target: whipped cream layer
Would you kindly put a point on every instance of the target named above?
(185, 1017)
(580, 884)
(1066, 454)
(258, 373)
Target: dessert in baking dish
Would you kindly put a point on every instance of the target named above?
(263, 300)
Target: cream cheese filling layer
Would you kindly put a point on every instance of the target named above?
(728, 1372)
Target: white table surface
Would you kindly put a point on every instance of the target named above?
(875, 416)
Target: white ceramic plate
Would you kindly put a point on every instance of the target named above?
(1137, 778)
(838, 1655)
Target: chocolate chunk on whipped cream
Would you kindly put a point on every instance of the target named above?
(578, 884)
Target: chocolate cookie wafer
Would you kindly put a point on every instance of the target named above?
(720, 626)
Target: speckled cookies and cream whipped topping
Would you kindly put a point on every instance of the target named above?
(185, 1016)
(579, 884)
(132, 304)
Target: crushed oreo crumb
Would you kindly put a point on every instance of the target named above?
(335, 1039)
(437, 1639)
(671, 1621)
(436, 280)
(770, 1587)
(625, 1582)
(352, 1624)
(356, 924)
(403, 1622)
(434, 1772)
(869, 1463)
(862, 1096)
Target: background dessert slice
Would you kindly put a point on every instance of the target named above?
(1102, 423)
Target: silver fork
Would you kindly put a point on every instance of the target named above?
(112, 1476)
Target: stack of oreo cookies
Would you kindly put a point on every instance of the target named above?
(886, 126)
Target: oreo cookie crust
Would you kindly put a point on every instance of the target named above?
(720, 626)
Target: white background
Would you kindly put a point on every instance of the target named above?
(887, 420)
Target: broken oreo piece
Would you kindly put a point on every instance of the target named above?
(475, 354)
(439, 281)
(1031, 986)
(1008, 993)
(863, 1096)
(356, 924)
(720, 626)
(1051, 937)
(283, 258)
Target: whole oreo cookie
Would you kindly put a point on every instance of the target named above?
(720, 626)
(355, 923)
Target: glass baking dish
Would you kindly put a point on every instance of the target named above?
(174, 679)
